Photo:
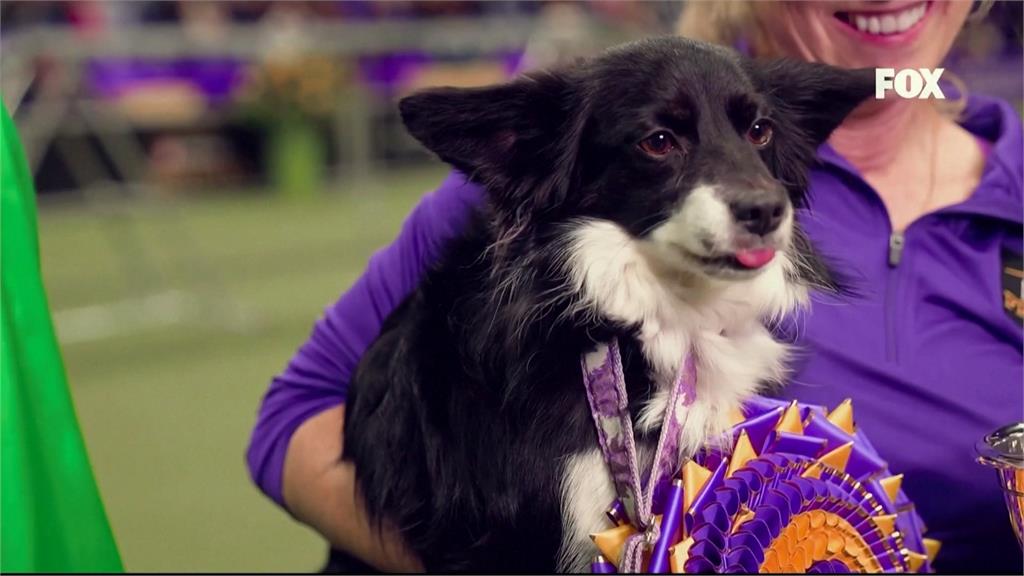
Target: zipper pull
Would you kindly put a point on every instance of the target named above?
(896, 242)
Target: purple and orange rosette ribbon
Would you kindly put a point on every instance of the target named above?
(799, 490)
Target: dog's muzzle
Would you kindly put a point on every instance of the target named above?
(727, 232)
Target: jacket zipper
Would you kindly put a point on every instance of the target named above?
(897, 242)
(891, 286)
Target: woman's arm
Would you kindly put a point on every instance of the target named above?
(296, 444)
(320, 491)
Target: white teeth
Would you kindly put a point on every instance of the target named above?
(906, 20)
(889, 23)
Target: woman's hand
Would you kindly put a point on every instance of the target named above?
(319, 490)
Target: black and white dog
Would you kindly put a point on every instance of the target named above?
(646, 194)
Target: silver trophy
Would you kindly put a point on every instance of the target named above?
(1004, 451)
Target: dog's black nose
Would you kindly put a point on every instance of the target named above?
(758, 217)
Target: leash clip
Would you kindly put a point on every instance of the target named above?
(651, 535)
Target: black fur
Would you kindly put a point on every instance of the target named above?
(463, 410)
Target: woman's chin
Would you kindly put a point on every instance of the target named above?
(849, 54)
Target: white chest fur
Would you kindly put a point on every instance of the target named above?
(721, 325)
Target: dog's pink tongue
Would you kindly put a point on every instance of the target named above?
(755, 258)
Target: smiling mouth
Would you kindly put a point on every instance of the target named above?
(884, 23)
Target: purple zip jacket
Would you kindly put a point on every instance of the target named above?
(930, 350)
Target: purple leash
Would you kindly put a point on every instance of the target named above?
(609, 406)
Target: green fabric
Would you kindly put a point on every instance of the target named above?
(51, 515)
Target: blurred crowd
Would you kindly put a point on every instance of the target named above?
(186, 95)
(202, 102)
(97, 14)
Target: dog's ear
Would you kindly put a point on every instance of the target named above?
(519, 139)
(808, 102)
(817, 97)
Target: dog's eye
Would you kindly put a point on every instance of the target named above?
(760, 133)
(659, 144)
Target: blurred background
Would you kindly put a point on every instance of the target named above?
(211, 175)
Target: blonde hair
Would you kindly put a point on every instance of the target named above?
(716, 22)
(734, 21)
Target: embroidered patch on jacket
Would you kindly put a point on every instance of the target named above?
(1013, 279)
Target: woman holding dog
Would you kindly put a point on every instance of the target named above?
(921, 199)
